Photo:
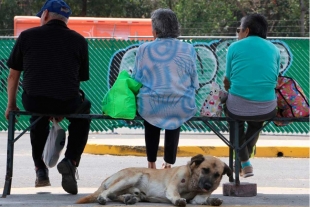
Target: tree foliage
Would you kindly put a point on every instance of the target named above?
(197, 17)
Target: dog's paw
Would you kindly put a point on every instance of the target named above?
(180, 202)
(130, 199)
(101, 200)
(214, 201)
(112, 196)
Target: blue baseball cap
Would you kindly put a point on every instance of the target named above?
(56, 6)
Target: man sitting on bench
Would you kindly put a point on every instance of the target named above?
(54, 59)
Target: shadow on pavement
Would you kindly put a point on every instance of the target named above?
(49, 199)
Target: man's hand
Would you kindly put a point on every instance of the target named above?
(8, 109)
(12, 87)
(57, 119)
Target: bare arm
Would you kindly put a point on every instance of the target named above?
(12, 87)
(226, 84)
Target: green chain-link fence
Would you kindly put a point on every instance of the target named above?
(108, 57)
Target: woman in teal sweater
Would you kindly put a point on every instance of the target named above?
(252, 69)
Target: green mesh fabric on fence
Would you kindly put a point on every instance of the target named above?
(108, 57)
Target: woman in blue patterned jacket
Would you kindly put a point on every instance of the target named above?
(167, 69)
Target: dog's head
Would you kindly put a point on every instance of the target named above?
(207, 172)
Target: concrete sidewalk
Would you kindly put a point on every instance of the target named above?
(56, 197)
(131, 142)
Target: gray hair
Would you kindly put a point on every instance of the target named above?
(54, 15)
(256, 23)
(165, 23)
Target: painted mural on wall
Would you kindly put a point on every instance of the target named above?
(210, 63)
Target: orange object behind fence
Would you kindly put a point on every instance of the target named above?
(118, 28)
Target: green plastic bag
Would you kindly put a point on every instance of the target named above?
(120, 100)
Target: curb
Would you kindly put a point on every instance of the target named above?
(188, 151)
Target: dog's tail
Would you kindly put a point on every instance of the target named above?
(92, 198)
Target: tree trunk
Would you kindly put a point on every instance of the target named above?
(302, 17)
(29, 5)
(170, 4)
(84, 8)
(240, 7)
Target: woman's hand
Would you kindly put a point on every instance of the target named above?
(226, 84)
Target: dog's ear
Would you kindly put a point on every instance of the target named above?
(228, 171)
(198, 159)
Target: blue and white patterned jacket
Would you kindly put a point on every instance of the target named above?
(166, 67)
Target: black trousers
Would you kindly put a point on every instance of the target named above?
(254, 124)
(78, 128)
(152, 138)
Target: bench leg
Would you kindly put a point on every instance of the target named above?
(231, 156)
(238, 189)
(237, 149)
(234, 139)
(9, 159)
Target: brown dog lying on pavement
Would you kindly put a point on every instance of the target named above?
(191, 183)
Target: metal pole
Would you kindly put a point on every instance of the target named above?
(237, 149)
(10, 153)
(231, 151)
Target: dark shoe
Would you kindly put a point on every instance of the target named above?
(68, 171)
(42, 179)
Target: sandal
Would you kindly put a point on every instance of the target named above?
(165, 165)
